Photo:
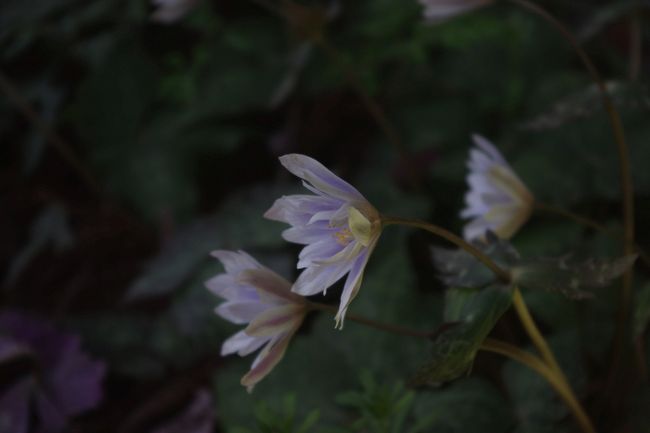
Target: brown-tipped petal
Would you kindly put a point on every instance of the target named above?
(268, 358)
(275, 321)
(269, 285)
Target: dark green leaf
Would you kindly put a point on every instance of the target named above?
(458, 268)
(472, 315)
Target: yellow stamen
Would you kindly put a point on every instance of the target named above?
(343, 236)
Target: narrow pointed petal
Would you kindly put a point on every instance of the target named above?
(242, 344)
(316, 279)
(270, 287)
(235, 262)
(266, 360)
(352, 285)
(276, 320)
(240, 312)
(320, 177)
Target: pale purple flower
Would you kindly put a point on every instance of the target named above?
(170, 11)
(436, 11)
(497, 199)
(197, 417)
(263, 300)
(339, 227)
(58, 380)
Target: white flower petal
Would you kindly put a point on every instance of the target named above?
(352, 285)
(316, 279)
(497, 200)
(276, 320)
(267, 359)
(320, 177)
(235, 262)
(240, 312)
(242, 344)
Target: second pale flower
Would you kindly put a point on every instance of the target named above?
(497, 199)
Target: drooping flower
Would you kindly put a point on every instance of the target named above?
(259, 297)
(170, 11)
(436, 11)
(56, 380)
(497, 199)
(339, 227)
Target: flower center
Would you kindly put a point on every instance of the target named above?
(344, 236)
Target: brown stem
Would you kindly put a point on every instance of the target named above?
(585, 221)
(624, 169)
(636, 46)
(558, 383)
(501, 273)
(59, 144)
(387, 327)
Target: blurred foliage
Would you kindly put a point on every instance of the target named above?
(180, 125)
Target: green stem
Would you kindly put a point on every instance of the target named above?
(533, 331)
(489, 345)
(501, 273)
(551, 376)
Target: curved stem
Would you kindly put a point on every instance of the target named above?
(490, 345)
(501, 273)
(550, 209)
(387, 327)
(619, 136)
(585, 221)
(533, 331)
(535, 364)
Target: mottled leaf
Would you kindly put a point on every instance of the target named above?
(473, 314)
(458, 268)
(571, 279)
